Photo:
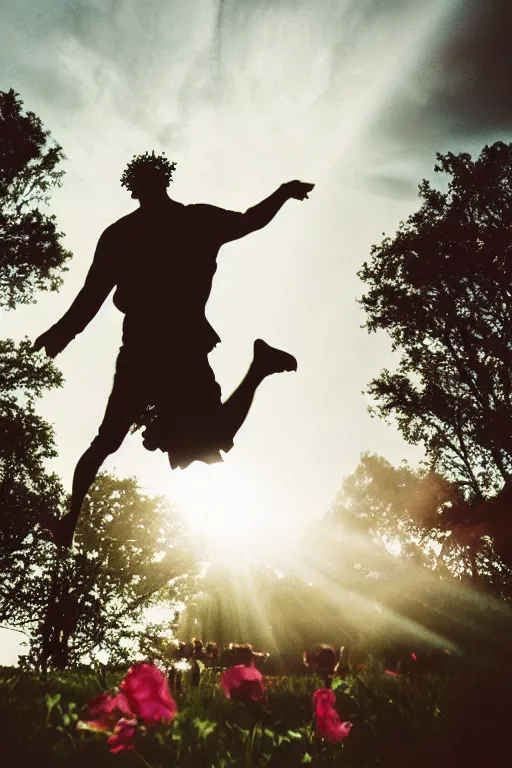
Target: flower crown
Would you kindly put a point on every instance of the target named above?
(142, 166)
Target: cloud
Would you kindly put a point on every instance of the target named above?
(474, 86)
(371, 80)
(272, 50)
(461, 88)
(126, 56)
(391, 186)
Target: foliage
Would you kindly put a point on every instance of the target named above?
(29, 494)
(441, 289)
(146, 168)
(131, 552)
(157, 641)
(398, 506)
(397, 721)
(396, 569)
(31, 257)
(31, 253)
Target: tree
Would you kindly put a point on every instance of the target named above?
(31, 258)
(31, 254)
(132, 552)
(27, 491)
(416, 591)
(441, 288)
(29, 494)
(408, 512)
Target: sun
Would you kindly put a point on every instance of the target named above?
(227, 507)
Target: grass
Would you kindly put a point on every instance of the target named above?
(458, 718)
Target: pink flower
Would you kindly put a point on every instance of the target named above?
(144, 694)
(146, 691)
(104, 711)
(243, 683)
(414, 656)
(323, 699)
(393, 674)
(328, 721)
(123, 736)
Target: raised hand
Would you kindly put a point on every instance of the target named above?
(298, 190)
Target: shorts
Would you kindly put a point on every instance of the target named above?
(170, 389)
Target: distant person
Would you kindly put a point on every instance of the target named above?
(161, 259)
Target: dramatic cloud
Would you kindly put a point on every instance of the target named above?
(327, 69)
(474, 82)
(461, 87)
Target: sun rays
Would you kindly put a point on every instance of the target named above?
(281, 597)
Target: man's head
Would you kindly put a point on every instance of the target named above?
(148, 176)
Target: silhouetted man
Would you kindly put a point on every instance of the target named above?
(161, 260)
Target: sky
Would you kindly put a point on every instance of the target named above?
(356, 96)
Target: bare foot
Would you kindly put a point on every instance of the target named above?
(271, 360)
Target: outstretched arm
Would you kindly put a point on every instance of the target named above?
(99, 282)
(233, 225)
(262, 214)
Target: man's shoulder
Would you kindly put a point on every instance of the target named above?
(207, 209)
(125, 223)
(199, 209)
(120, 228)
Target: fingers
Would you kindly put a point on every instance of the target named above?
(307, 187)
(299, 190)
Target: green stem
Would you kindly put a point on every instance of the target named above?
(250, 745)
(143, 759)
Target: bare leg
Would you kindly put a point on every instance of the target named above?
(85, 472)
(266, 361)
(123, 406)
(125, 403)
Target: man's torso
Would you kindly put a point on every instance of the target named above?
(164, 262)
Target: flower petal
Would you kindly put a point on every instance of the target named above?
(324, 697)
(243, 683)
(123, 736)
(145, 688)
(328, 721)
(103, 711)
